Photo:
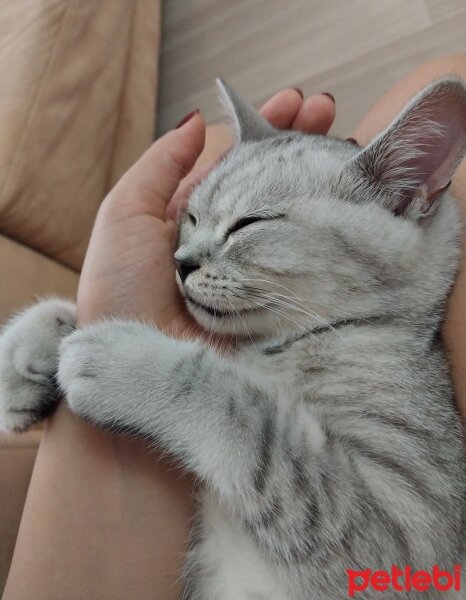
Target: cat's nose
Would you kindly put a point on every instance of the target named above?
(185, 267)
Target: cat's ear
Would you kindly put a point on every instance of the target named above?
(413, 160)
(247, 124)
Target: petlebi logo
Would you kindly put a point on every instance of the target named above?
(403, 580)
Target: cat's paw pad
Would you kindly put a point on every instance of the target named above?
(28, 361)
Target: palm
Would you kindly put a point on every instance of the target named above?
(129, 268)
(131, 271)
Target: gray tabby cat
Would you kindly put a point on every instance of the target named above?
(327, 438)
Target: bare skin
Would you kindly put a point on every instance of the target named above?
(103, 519)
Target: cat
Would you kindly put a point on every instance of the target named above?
(327, 437)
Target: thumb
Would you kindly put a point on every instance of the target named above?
(148, 186)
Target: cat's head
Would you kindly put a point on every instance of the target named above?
(292, 231)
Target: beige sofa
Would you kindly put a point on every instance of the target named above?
(77, 107)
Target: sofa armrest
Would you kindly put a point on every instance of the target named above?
(26, 275)
(77, 108)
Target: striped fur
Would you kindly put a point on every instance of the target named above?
(327, 437)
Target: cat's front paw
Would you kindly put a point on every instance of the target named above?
(95, 371)
(28, 362)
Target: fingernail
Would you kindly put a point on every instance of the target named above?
(329, 95)
(300, 92)
(352, 141)
(187, 118)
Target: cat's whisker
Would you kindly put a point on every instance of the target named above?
(268, 307)
(300, 301)
(296, 301)
(281, 286)
(267, 281)
(234, 335)
(286, 316)
(274, 310)
(326, 305)
(296, 305)
(302, 310)
(244, 324)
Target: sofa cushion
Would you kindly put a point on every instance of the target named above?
(77, 108)
(26, 275)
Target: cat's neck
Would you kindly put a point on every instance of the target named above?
(349, 337)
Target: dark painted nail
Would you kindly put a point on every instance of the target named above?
(352, 141)
(330, 96)
(187, 118)
(300, 92)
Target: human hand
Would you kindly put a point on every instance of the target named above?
(129, 269)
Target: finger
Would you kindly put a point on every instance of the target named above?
(151, 182)
(218, 141)
(316, 115)
(282, 109)
(181, 196)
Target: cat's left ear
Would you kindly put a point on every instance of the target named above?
(247, 124)
(413, 160)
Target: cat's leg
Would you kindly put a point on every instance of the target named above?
(291, 483)
(28, 362)
(198, 406)
(236, 433)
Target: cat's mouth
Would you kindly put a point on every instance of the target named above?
(216, 312)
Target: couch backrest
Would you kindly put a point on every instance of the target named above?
(77, 107)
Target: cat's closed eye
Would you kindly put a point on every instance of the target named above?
(191, 218)
(245, 221)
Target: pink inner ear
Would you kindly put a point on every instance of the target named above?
(414, 159)
(452, 147)
(439, 150)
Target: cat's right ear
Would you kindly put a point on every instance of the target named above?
(247, 124)
(412, 162)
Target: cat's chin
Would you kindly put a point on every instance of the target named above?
(220, 321)
(247, 324)
(209, 310)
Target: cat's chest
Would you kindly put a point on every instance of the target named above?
(282, 362)
(233, 566)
